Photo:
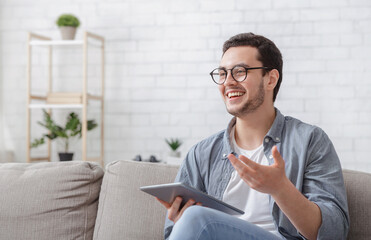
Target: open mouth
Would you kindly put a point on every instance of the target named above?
(234, 94)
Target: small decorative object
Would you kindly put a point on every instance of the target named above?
(68, 24)
(71, 130)
(138, 158)
(153, 159)
(174, 144)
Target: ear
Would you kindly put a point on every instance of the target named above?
(273, 76)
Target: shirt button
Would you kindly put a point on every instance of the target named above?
(266, 140)
(270, 156)
(277, 138)
(224, 155)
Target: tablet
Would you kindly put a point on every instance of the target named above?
(168, 192)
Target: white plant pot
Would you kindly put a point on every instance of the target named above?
(68, 33)
(174, 154)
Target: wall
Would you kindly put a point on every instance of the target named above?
(159, 54)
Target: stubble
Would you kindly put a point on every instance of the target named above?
(251, 105)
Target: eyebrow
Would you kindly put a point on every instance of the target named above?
(239, 64)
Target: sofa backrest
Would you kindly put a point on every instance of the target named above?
(60, 200)
(359, 203)
(57, 200)
(124, 211)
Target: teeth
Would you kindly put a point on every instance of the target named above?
(234, 94)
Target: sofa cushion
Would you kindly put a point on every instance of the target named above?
(54, 200)
(124, 211)
(359, 194)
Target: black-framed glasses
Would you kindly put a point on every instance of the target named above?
(239, 73)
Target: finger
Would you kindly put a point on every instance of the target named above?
(174, 209)
(187, 205)
(248, 162)
(242, 169)
(199, 204)
(278, 160)
(165, 204)
(237, 164)
(240, 166)
(176, 204)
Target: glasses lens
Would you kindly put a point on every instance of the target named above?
(218, 75)
(239, 73)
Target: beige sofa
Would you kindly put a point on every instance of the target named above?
(60, 201)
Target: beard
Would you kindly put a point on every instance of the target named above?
(251, 105)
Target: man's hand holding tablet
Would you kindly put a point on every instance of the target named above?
(177, 197)
(175, 210)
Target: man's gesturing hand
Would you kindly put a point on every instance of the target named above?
(266, 179)
(272, 180)
(174, 211)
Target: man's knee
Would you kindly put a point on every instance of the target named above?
(193, 213)
(198, 216)
(197, 222)
(189, 224)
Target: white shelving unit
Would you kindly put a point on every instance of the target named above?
(35, 40)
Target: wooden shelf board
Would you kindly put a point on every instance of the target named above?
(95, 97)
(32, 159)
(55, 106)
(56, 43)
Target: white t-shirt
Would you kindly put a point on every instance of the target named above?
(238, 193)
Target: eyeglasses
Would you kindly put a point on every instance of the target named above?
(239, 73)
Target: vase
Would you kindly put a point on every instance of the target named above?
(68, 33)
(174, 154)
(65, 156)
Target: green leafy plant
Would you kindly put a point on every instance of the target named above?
(174, 143)
(68, 20)
(71, 130)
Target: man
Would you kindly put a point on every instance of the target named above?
(283, 173)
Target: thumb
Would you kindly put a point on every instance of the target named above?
(278, 160)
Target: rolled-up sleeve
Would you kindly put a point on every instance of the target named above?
(323, 184)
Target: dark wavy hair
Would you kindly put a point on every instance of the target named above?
(269, 54)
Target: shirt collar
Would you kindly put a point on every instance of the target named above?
(274, 132)
(227, 146)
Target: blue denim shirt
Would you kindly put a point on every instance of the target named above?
(311, 164)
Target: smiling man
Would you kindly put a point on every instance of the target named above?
(285, 174)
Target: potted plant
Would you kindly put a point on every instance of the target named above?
(68, 24)
(174, 144)
(71, 130)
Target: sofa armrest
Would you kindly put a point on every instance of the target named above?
(54, 200)
(359, 196)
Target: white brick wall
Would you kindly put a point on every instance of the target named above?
(159, 54)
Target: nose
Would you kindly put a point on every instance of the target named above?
(229, 79)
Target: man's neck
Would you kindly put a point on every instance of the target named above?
(251, 129)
